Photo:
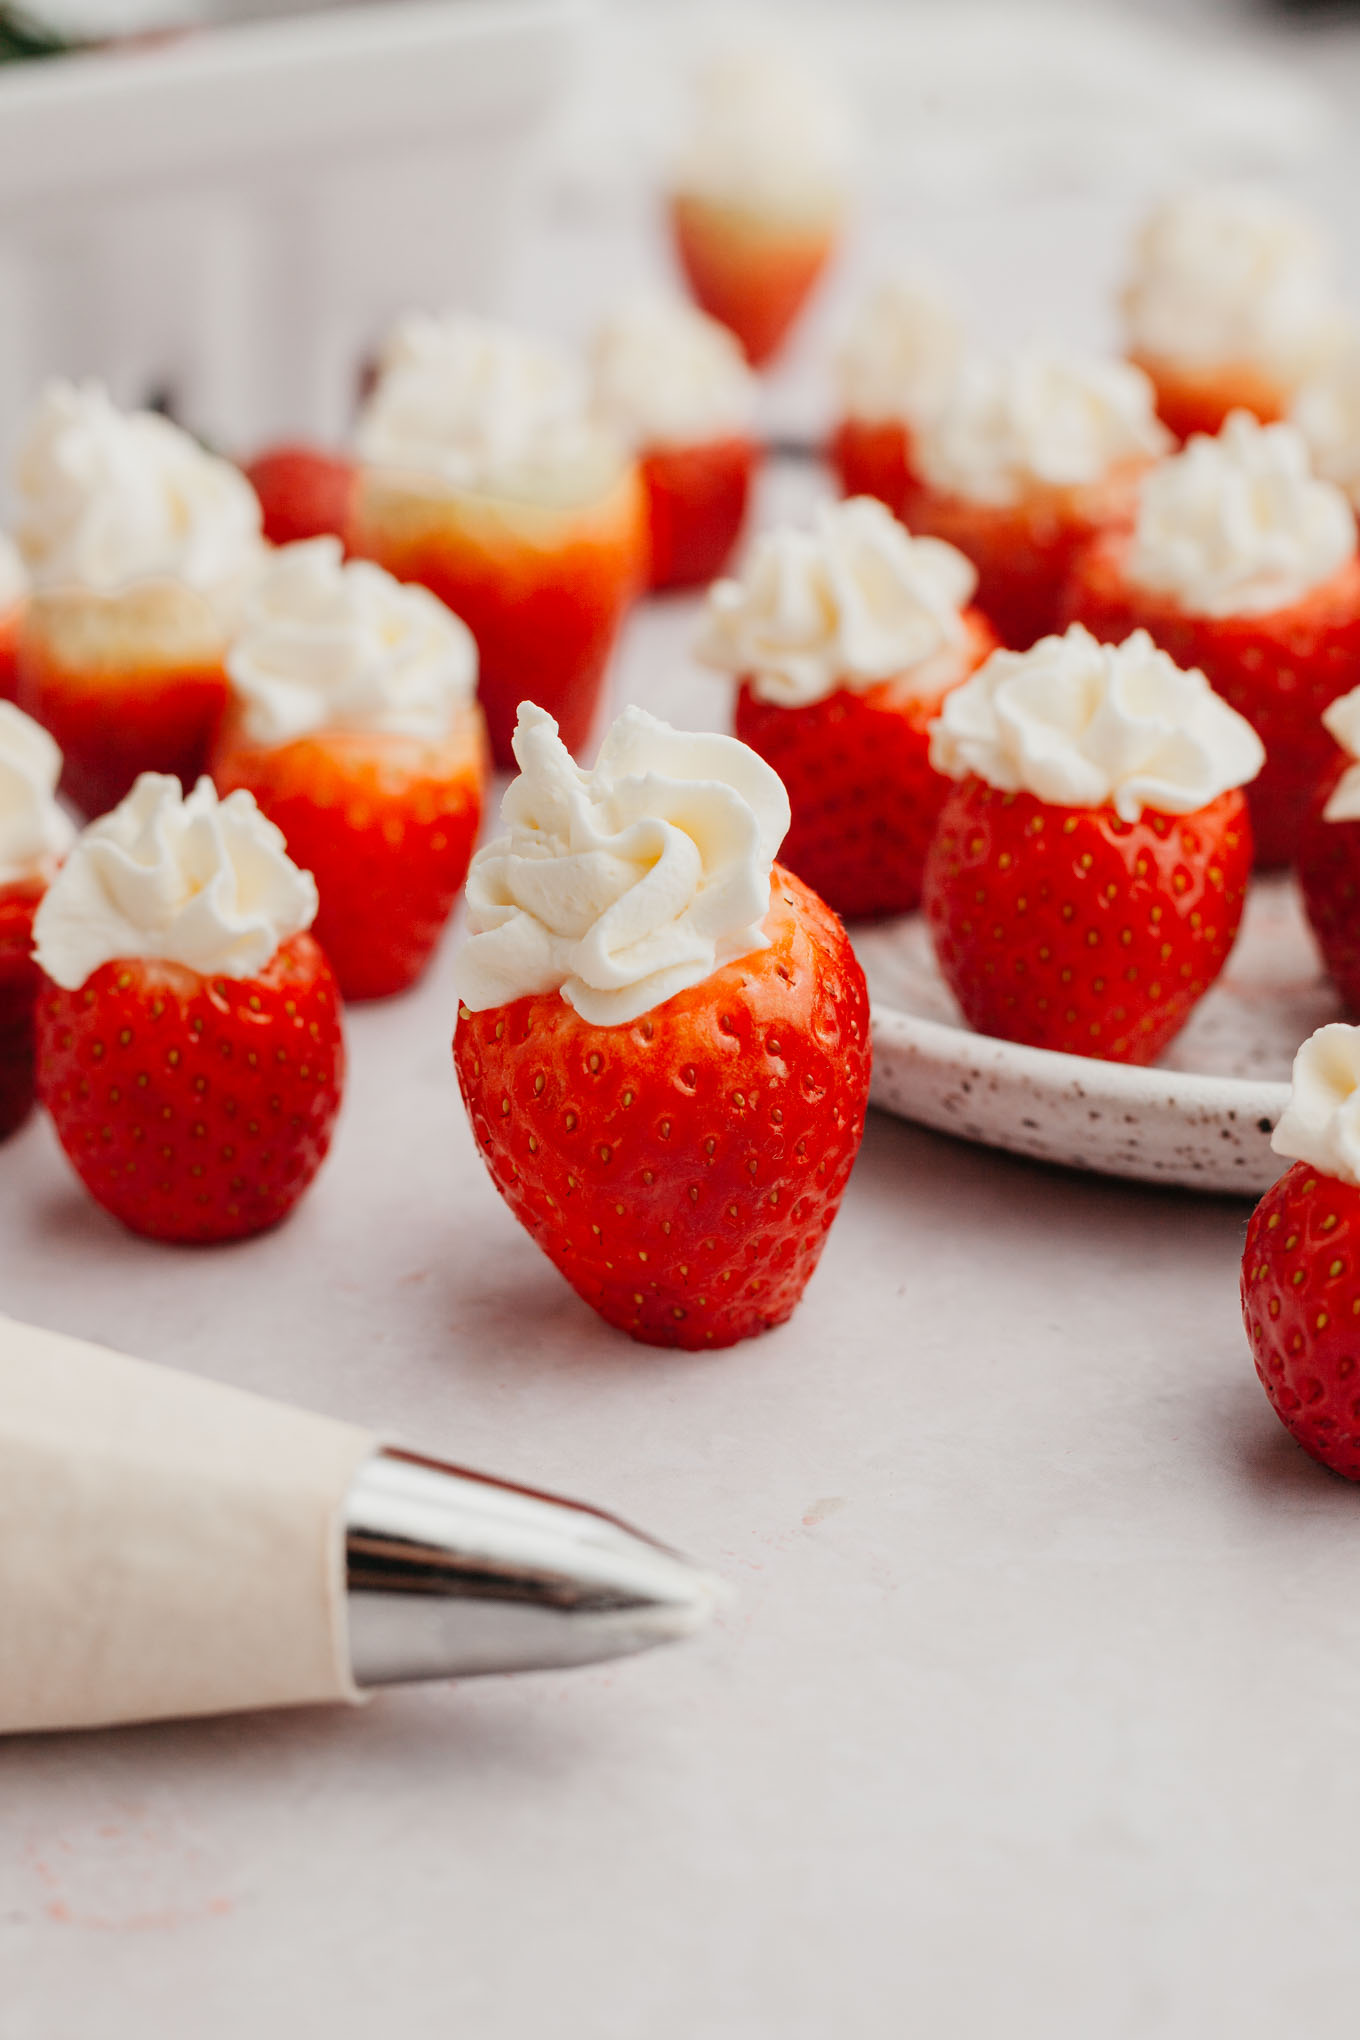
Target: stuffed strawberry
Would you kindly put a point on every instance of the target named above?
(663, 1038)
(1025, 461)
(1300, 1293)
(356, 728)
(1328, 856)
(141, 547)
(896, 368)
(1088, 873)
(303, 492)
(13, 600)
(189, 1042)
(675, 386)
(34, 833)
(845, 641)
(1244, 565)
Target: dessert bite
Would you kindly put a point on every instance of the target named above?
(1328, 856)
(1300, 1296)
(758, 196)
(1327, 413)
(1088, 872)
(355, 726)
(189, 1042)
(303, 492)
(895, 369)
(676, 388)
(1026, 459)
(141, 547)
(663, 1037)
(1243, 564)
(1230, 305)
(13, 598)
(485, 476)
(34, 836)
(844, 641)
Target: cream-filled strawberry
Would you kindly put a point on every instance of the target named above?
(1243, 564)
(845, 640)
(896, 368)
(1230, 304)
(1328, 854)
(675, 385)
(486, 477)
(355, 726)
(34, 835)
(1088, 872)
(662, 1037)
(1301, 1263)
(1026, 459)
(304, 492)
(189, 1040)
(13, 600)
(759, 193)
(141, 548)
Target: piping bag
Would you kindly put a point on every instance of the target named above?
(170, 1546)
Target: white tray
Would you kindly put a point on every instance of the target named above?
(1201, 1117)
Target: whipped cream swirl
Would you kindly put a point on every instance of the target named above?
(902, 353)
(465, 404)
(622, 886)
(1082, 724)
(325, 645)
(34, 831)
(13, 577)
(856, 601)
(668, 375)
(1321, 1123)
(1228, 274)
(1327, 413)
(107, 498)
(192, 880)
(1239, 525)
(1037, 420)
(767, 136)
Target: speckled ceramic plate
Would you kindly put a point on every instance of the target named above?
(1201, 1117)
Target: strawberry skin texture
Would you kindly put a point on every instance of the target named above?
(195, 1108)
(386, 824)
(20, 979)
(303, 492)
(682, 1171)
(865, 797)
(1279, 670)
(1069, 929)
(696, 506)
(1301, 1308)
(1329, 878)
(872, 457)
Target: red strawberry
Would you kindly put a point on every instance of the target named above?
(696, 506)
(303, 492)
(195, 1108)
(872, 457)
(753, 273)
(865, 797)
(386, 825)
(1070, 929)
(1329, 877)
(19, 982)
(11, 627)
(1301, 1305)
(682, 1171)
(1279, 670)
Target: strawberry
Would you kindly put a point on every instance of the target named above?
(696, 506)
(1070, 929)
(303, 492)
(753, 273)
(1301, 1306)
(872, 457)
(1199, 399)
(19, 982)
(682, 1170)
(1279, 670)
(11, 627)
(865, 797)
(1328, 867)
(385, 823)
(195, 1108)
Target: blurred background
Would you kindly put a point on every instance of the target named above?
(218, 206)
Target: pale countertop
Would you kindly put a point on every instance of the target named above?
(1038, 1710)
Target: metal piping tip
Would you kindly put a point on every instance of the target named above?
(451, 1574)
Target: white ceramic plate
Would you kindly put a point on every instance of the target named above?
(1201, 1117)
